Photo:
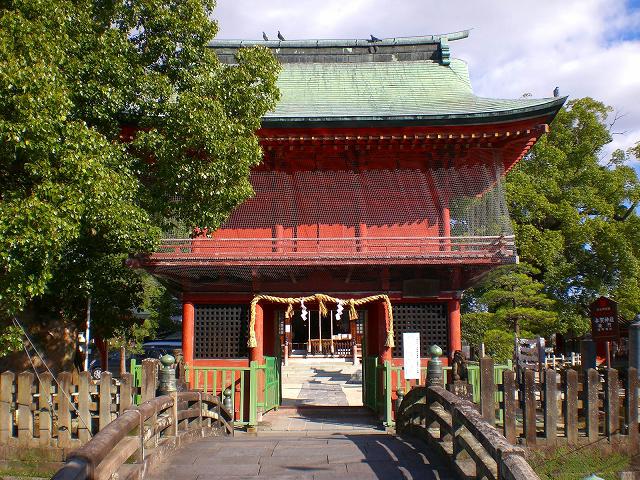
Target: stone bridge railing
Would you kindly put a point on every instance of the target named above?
(458, 432)
(455, 429)
(145, 434)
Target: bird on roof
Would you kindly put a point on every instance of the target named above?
(264, 35)
(556, 92)
(374, 39)
(280, 35)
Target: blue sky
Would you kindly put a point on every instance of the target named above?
(586, 47)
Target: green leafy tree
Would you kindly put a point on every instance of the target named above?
(508, 302)
(499, 344)
(513, 299)
(576, 224)
(575, 214)
(153, 316)
(10, 340)
(114, 117)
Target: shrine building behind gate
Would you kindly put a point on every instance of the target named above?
(383, 173)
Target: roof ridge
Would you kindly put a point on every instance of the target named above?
(393, 41)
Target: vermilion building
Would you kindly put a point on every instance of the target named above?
(382, 173)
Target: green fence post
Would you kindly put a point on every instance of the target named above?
(253, 396)
(388, 388)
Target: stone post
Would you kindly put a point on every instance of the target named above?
(434, 367)
(167, 375)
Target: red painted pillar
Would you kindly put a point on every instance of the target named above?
(455, 330)
(188, 321)
(256, 354)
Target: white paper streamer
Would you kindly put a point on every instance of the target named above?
(339, 310)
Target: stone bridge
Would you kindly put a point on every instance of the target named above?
(191, 435)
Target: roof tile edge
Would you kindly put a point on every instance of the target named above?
(421, 40)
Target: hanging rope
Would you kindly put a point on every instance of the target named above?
(322, 300)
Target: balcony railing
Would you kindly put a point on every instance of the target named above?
(252, 251)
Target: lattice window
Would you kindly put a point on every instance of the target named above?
(362, 316)
(280, 320)
(220, 331)
(428, 319)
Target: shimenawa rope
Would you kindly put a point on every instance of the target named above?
(322, 300)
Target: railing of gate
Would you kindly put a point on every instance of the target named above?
(241, 385)
(370, 396)
(271, 398)
(393, 381)
(215, 380)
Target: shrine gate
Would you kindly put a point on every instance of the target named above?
(383, 173)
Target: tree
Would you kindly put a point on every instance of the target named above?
(114, 118)
(575, 214)
(506, 303)
(576, 224)
(10, 340)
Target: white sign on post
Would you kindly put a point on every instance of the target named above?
(411, 353)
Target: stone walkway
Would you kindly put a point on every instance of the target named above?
(312, 420)
(321, 382)
(320, 432)
(316, 456)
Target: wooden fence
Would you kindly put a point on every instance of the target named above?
(564, 408)
(37, 411)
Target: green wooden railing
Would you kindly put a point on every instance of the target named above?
(381, 400)
(271, 398)
(216, 380)
(242, 382)
(370, 382)
(136, 372)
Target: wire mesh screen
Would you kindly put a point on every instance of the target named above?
(305, 219)
(428, 319)
(220, 331)
(402, 202)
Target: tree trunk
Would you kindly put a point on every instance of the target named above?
(103, 348)
(123, 361)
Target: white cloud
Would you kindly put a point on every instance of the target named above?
(586, 47)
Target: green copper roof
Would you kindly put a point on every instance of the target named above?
(403, 91)
(400, 80)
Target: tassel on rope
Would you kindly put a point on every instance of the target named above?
(252, 342)
(389, 342)
(353, 314)
(289, 313)
(339, 310)
(322, 307)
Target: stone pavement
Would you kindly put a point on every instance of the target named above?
(310, 381)
(317, 456)
(320, 419)
(317, 434)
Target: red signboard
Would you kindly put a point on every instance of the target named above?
(604, 319)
